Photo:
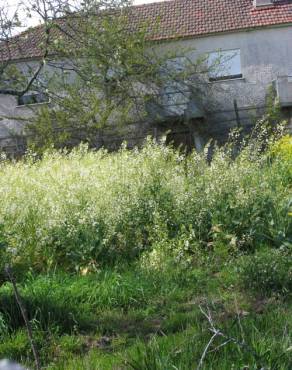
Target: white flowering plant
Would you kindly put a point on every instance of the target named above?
(83, 209)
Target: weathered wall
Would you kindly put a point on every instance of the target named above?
(265, 55)
(12, 120)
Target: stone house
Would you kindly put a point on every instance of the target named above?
(256, 33)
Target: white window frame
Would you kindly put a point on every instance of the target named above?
(225, 65)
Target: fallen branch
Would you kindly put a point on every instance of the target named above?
(218, 333)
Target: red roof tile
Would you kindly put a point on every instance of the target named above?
(179, 19)
(187, 18)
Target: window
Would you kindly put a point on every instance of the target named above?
(32, 98)
(224, 65)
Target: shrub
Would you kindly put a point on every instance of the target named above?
(283, 147)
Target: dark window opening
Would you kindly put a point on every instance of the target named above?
(33, 98)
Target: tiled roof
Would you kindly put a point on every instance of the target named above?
(187, 18)
(181, 18)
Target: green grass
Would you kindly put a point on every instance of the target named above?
(69, 301)
(131, 318)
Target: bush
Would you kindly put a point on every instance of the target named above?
(268, 272)
(283, 147)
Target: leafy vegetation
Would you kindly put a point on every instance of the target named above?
(88, 209)
(120, 256)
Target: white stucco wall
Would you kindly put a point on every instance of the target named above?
(265, 55)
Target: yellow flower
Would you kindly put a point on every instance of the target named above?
(84, 271)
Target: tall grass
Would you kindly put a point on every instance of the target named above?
(152, 234)
(85, 209)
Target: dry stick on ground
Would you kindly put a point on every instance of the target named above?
(215, 334)
(218, 333)
(9, 273)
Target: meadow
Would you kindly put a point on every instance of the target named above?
(149, 259)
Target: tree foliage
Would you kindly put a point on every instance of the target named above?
(98, 69)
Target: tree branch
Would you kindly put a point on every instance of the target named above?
(24, 315)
